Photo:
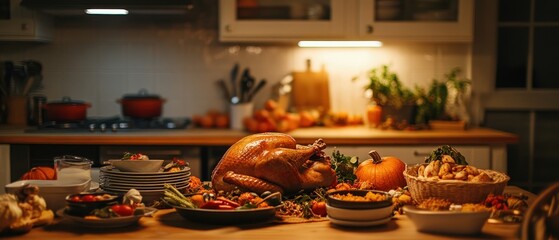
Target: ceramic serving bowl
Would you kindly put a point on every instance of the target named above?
(334, 201)
(82, 204)
(447, 222)
(371, 214)
(53, 191)
(151, 165)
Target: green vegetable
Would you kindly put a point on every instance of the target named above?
(438, 153)
(344, 166)
(176, 198)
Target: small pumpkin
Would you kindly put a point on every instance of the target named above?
(40, 173)
(381, 173)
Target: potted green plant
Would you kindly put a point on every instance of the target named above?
(385, 89)
(443, 103)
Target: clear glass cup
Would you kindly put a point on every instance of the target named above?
(72, 168)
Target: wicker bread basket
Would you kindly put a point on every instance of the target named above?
(456, 191)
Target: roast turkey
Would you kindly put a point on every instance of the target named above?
(273, 162)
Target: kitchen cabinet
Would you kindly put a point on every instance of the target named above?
(480, 156)
(400, 20)
(265, 20)
(416, 20)
(20, 24)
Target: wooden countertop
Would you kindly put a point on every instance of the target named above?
(209, 137)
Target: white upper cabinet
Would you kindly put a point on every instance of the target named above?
(285, 20)
(417, 20)
(20, 24)
(292, 20)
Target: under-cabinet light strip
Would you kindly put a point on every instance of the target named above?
(340, 44)
(107, 11)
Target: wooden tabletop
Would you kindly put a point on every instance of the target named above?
(167, 224)
(224, 137)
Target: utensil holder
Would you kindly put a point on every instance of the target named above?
(17, 110)
(238, 113)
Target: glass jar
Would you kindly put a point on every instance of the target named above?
(374, 115)
(72, 168)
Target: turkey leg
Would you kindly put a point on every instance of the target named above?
(250, 183)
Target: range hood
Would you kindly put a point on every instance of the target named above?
(134, 7)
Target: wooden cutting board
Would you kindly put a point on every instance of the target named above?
(310, 90)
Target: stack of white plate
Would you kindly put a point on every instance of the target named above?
(150, 184)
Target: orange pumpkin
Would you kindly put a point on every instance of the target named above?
(383, 174)
(40, 173)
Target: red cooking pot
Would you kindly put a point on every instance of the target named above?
(141, 105)
(66, 110)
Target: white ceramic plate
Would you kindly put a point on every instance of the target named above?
(115, 222)
(139, 187)
(145, 178)
(106, 180)
(113, 170)
(360, 223)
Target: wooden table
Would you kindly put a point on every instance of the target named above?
(167, 224)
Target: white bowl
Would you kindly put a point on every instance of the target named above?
(53, 191)
(371, 214)
(137, 165)
(448, 222)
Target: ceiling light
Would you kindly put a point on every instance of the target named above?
(354, 44)
(107, 11)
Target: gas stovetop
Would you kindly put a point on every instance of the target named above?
(112, 124)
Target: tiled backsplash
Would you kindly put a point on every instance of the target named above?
(98, 61)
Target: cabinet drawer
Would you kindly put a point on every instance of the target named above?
(478, 156)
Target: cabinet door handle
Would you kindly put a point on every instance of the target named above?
(228, 28)
(420, 154)
(370, 29)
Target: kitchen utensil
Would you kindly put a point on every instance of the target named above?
(141, 105)
(223, 86)
(234, 73)
(242, 83)
(255, 90)
(247, 82)
(66, 110)
(311, 90)
(33, 76)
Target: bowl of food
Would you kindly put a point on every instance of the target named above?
(348, 214)
(53, 191)
(358, 199)
(82, 204)
(124, 165)
(467, 220)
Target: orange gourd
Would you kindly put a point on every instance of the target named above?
(383, 174)
(40, 173)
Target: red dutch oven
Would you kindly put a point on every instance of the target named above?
(66, 110)
(141, 105)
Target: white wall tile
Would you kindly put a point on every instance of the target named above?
(100, 61)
